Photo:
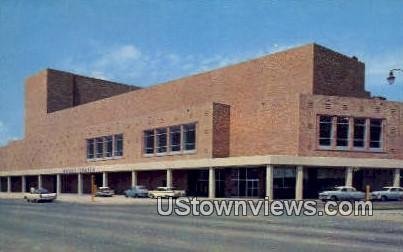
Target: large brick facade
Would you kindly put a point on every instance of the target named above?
(266, 106)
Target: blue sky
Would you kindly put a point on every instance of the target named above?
(145, 42)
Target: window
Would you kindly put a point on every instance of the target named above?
(99, 147)
(149, 141)
(105, 147)
(375, 134)
(161, 140)
(325, 131)
(90, 148)
(334, 133)
(359, 133)
(189, 135)
(108, 145)
(118, 144)
(342, 132)
(175, 138)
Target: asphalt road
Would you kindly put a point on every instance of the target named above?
(79, 227)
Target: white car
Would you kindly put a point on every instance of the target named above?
(342, 193)
(388, 193)
(166, 192)
(40, 194)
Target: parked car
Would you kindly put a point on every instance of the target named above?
(104, 191)
(388, 193)
(166, 192)
(136, 191)
(342, 193)
(40, 195)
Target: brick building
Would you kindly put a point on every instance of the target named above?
(286, 125)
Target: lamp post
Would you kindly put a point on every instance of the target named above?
(391, 78)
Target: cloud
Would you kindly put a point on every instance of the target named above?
(129, 64)
(5, 134)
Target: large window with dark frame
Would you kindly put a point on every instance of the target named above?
(342, 126)
(359, 133)
(325, 131)
(375, 134)
(189, 136)
(149, 141)
(161, 140)
(342, 130)
(173, 139)
(105, 147)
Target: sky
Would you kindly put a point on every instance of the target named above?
(148, 42)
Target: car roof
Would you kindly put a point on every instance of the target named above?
(344, 187)
(104, 187)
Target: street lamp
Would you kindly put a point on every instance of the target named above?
(391, 78)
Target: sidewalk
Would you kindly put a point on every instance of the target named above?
(86, 199)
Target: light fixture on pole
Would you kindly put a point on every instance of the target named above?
(391, 78)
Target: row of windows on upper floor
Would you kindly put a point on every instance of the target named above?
(160, 141)
(349, 133)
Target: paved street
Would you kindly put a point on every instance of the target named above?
(65, 226)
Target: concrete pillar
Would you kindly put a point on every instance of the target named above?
(39, 181)
(211, 182)
(299, 183)
(396, 178)
(58, 184)
(8, 184)
(79, 184)
(269, 181)
(169, 178)
(349, 176)
(23, 184)
(104, 179)
(134, 178)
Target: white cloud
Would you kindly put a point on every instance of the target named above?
(128, 64)
(4, 134)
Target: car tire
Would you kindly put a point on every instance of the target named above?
(333, 198)
(384, 198)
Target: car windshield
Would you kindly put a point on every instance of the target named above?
(141, 187)
(335, 189)
(385, 188)
(41, 190)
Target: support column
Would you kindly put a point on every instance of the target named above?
(169, 178)
(79, 184)
(299, 183)
(104, 179)
(23, 184)
(349, 176)
(211, 182)
(58, 184)
(8, 184)
(134, 178)
(396, 178)
(269, 181)
(39, 181)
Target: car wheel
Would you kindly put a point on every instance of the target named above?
(333, 198)
(384, 198)
(126, 196)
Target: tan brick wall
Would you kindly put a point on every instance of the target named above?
(263, 96)
(314, 105)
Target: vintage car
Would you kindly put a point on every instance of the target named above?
(341, 193)
(104, 191)
(136, 191)
(388, 193)
(166, 192)
(40, 195)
